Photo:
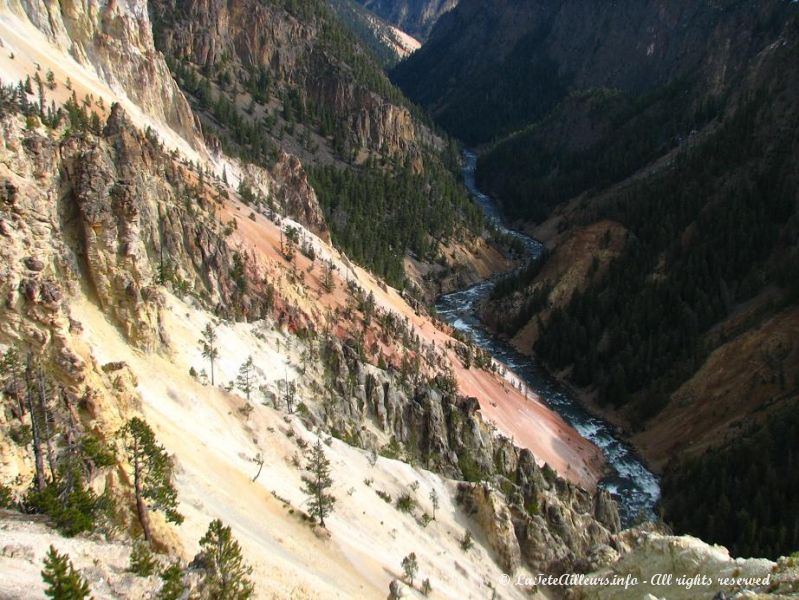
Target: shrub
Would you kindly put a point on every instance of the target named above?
(142, 562)
(391, 450)
(73, 510)
(466, 541)
(427, 587)
(406, 503)
(172, 588)
(6, 496)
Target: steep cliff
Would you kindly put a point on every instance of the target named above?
(388, 43)
(302, 56)
(468, 72)
(96, 35)
(268, 77)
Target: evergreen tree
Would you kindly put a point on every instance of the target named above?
(328, 283)
(142, 562)
(245, 380)
(152, 473)
(226, 573)
(410, 566)
(316, 485)
(209, 348)
(173, 587)
(63, 581)
(289, 394)
(434, 501)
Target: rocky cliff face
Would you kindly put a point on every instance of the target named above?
(122, 211)
(245, 38)
(416, 17)
(529, 515)
(116, 217)
(115, 40)
(288, 187)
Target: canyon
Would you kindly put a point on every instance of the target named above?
(136, 216)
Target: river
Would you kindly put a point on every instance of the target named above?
(634, 487)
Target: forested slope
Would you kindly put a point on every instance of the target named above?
(684, 326)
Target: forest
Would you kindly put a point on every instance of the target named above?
(532, 177)
(716, 229)
(376, 215)
(712, 496)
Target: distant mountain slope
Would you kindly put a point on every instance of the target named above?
(415, 17)
(492, 67)
(388, 43)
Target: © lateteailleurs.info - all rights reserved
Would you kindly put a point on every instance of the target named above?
(630, 581)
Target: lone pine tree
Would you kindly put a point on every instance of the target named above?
(318, 482)
(209, 348)
(152, 474)
(227, 576)
(410, 566)
(434, 501)
(245, 380)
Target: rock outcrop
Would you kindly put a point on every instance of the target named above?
(527, 513)
(122, 216)
(416, 17)
(685, 568)
(294, 194)
(488, 508)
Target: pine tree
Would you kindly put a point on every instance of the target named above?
(328, 283)
(434, 501)
(152, 473)
(209, 348)
(173, 587)
(141, 561)
(316, 485)
(289, 394)
(63, 581)
(410, 566)
(427, 587)
(226, 573)
(245, 380)
(33, 411)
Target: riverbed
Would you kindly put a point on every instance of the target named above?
(635, 488)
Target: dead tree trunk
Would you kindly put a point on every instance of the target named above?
(138, 485)
(48, 434)
(37, 441)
